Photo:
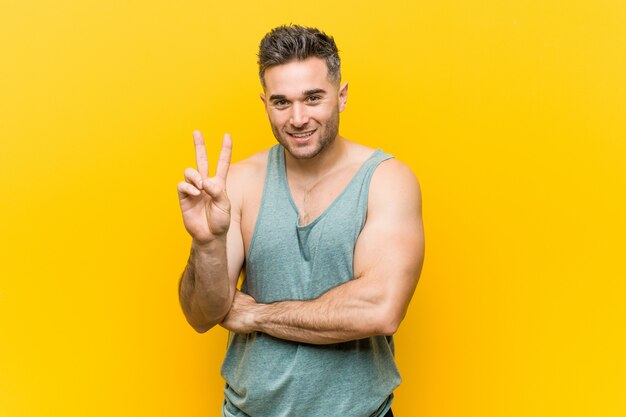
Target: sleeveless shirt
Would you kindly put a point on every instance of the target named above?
(270, 377)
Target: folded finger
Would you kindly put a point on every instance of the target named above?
(193, 177)
(214, 189)
(185, 189)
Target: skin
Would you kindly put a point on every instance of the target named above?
(313, 106)
(389, 252)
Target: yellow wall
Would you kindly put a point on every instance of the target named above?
(512, 114)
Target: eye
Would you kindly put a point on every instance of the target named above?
(280, 103)
(313, 99)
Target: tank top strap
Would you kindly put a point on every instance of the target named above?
(360, 184)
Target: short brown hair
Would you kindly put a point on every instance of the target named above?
(288, 43)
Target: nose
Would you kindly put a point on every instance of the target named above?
(298, 115)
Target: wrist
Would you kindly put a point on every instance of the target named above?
(208, 245)
(258, 321)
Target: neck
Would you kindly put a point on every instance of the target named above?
(321, 163)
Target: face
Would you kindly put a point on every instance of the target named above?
(303, 106)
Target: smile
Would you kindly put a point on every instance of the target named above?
(302, 135)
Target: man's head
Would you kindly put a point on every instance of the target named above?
(299, 70)
(285, 44)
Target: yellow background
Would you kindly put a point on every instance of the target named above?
(512, 115)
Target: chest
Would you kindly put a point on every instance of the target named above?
(286, 259)
(312, 198)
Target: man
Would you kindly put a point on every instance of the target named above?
(329, 236)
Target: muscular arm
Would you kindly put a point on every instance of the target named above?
(387, 263)
(207, 286)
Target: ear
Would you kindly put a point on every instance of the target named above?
(262, 96)
(343, 96)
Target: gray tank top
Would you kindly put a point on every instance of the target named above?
(270, 377)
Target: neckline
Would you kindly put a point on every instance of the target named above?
(285, 182)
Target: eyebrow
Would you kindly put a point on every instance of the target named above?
(304, 93)
(314, 91)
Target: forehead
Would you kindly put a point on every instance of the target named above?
(297, 76)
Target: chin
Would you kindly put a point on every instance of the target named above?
(300, 152)
(309, 151)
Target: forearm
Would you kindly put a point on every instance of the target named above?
(348, 312)
(205, 291)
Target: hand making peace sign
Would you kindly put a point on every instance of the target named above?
(203, 201)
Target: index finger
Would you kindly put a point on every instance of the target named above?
(202, 161)
(224, 162)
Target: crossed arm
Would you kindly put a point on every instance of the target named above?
(388, 259)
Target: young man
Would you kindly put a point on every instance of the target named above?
(331, 235)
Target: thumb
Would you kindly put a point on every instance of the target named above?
(214, 189)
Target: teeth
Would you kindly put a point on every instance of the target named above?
(301, 135)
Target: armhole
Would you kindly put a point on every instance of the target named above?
(270, 159)
(364, 197)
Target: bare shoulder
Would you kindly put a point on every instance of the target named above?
(358, 152)
(249, 168)
(394, 183)
(245, 179)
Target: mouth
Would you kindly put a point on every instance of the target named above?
(301, 136)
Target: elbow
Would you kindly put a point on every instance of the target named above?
(200, 328)
(388, 322)
(202, 322)
(199, 325)
(203, 318)
(389, 328)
